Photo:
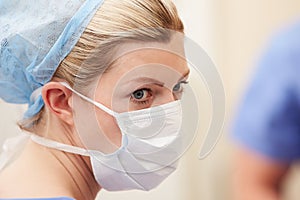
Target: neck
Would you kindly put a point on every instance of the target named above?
(48, 172)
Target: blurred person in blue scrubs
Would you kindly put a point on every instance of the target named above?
(267, 127)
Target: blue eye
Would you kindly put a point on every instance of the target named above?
(178, 86)
(139, 94)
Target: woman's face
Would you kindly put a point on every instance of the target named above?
(140, 79)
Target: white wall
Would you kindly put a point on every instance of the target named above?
(9, 116)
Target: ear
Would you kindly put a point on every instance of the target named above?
(58, 100)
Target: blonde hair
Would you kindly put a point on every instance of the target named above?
(116, 22)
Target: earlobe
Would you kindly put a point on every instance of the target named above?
(57, 99)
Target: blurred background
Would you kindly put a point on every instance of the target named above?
(233, 33)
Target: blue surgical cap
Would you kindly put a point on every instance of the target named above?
(35, 36)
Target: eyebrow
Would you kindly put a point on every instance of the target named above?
(186, 74)
(152, 80)
(145, 80)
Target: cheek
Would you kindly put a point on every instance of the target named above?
(106, 122)
(109, 127)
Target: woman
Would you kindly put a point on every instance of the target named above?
(99, 78)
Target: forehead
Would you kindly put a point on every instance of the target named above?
(150, 58)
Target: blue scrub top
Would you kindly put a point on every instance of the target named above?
(268, 120)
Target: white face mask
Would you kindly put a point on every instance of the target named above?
(151, 146)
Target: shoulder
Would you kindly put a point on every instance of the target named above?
(279, 63)
(287, 38)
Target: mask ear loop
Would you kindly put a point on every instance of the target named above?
(59, 146)
(99, 105)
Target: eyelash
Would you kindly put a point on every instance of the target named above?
(149, 91)
(141, 102)
(180, 83)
